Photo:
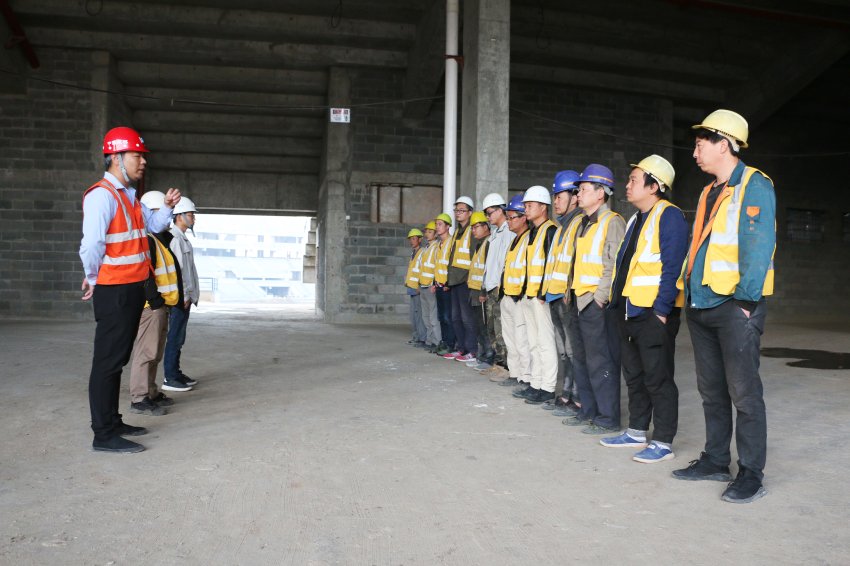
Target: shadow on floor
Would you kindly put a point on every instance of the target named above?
(811, 359)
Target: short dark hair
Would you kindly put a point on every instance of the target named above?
(649, 180)
(714, 138)
(107, 162)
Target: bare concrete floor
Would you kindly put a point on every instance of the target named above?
(313, 444)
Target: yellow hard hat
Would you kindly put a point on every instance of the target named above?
(477, 218)
(659, 168)
(727, 123)
(414, 232)
(431, 226)
(445, 218)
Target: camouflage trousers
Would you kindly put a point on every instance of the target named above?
(494, 327)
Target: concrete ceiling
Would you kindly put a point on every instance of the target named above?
(267, 62)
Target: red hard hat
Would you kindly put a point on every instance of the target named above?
(122, 139)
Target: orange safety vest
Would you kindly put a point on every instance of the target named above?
(127, 256)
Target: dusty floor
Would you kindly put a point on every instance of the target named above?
(314, 444)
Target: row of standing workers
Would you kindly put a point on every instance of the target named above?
(556, 309)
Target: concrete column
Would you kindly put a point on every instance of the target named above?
(335, 186)
(486, 87)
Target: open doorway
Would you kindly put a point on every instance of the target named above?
(250, 262)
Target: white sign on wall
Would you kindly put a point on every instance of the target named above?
(341, 115)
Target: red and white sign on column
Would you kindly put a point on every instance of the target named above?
(341, 115)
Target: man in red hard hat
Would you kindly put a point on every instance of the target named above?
(116, 262)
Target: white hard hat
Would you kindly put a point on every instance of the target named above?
(153, 200)
(493, 199)
(185, 205)
(537, 194)
(467, 201)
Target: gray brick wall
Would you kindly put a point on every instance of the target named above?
(45, 166)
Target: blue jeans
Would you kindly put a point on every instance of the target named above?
(177, 321)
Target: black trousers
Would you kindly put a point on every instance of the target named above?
(117, 310)
(463, 322)
(444, 313)
(726, 351)
(647, 351)
(596, 362)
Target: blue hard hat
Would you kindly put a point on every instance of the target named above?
(565, 181)
(595, 173)
(516, 204)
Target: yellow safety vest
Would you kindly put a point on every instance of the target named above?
(588, 270)
(165, 274)
(644, 274)
(721, 272)
(476, 272)
(411, 280)
(513, 277)
(461, 257)
(560, 258)
(429, 259)
(536, 260)
(443, 253)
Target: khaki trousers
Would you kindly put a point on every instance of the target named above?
(516, 339)
(147, 353)
(541, 344)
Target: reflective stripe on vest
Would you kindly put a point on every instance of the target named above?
(411, 280)
(476, 272)
(165, 274)
(514, 275)
(722, 271)
(443, 253)
(645, 267)
(460, 253)
(536, 260)
(429, 258)
(588, 269)
(560, 258)
(126, 256)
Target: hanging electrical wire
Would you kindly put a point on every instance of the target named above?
(209, 103)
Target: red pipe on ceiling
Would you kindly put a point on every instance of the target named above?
(19, 37)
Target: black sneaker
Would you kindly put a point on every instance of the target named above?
(117, 444)
(147, 407)
(188, 380)
(175, 385)
(703, 469)
(746, 488)
(539, 396)
(521, 390)
(129, 430)
(509, 382)
(162, 400)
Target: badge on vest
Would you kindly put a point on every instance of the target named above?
(753, 216)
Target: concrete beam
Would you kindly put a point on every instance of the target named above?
(426, 61)
(168, 142)
(234, 163)
(251, 191)
(632, 25)
(225, 101)
(215, 51)
(173, 18)
(628, 61)
(798, 65)
(238, 124)
(209, 77)
(615, 81)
